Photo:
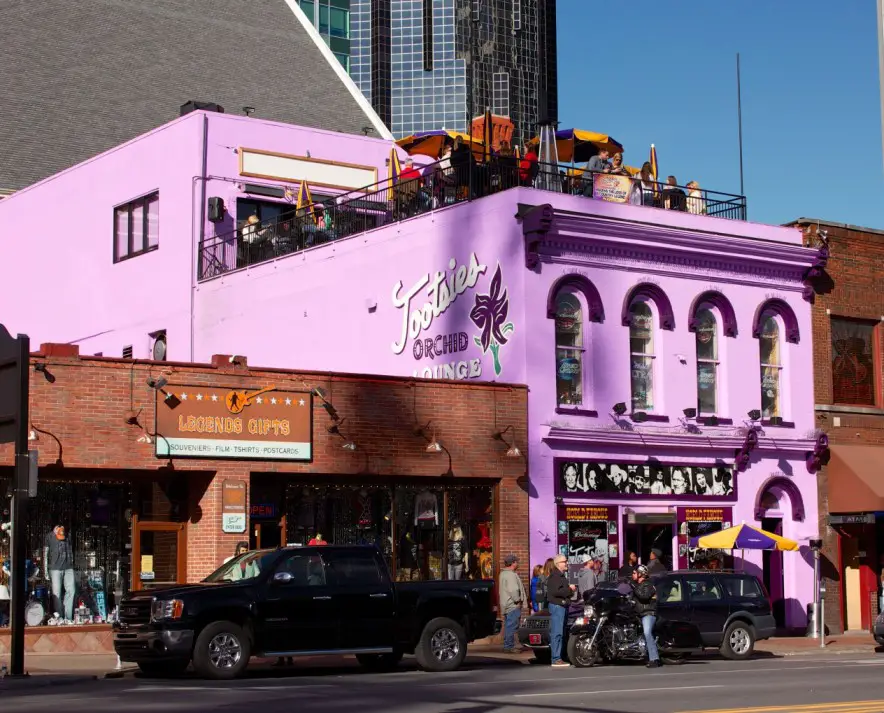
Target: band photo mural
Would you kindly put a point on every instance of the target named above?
(590, 478)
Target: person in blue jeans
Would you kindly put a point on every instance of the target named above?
(558, 594)
(645, 595)
(513, 599)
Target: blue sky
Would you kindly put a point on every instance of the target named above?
(665, 73)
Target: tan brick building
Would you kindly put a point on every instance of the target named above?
(412, 466)
(848, 376)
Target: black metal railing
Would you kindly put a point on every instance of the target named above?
(437, 185)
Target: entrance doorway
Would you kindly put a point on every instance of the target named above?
(266, 534)
(773, 571)
(642, 537)
(159, 554)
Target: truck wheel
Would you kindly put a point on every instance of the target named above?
(163, 668)
(579, 653)
(379, 662)
(739, 641)
(222, 651)
(442, 645)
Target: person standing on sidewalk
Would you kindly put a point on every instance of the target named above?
(511, 593)
(588, 578)
(645, 595)
(558, 594)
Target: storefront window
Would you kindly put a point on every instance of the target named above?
(589, 532)
(641, 347)
(96, 518)
(853, 362)
(406, 522)
(569, 350)
(771, 368)
(707, 363)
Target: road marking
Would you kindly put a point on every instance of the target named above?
(612, 690)
(839, 707)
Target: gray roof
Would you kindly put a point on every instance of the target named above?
(78, 77)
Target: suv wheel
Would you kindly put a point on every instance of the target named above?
(739, 641)
(222, 651)
(442, 645)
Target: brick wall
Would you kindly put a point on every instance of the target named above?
(853, 288)
(87, 405)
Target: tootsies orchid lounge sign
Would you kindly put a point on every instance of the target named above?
(591, 479)
(446, 354)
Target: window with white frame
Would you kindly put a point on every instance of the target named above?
(641, 348)
(570, 349)
(137, 227)
(707, 363)
(771, 367)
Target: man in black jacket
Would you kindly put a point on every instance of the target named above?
(656, 566)
(645, 595)
(558, 594)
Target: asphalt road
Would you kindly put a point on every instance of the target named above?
(803, 684)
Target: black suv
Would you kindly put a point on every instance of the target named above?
(731, 609)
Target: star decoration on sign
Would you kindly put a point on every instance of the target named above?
(199, 397)
(184, 397)
(273, 401)
(259, 400)
(214, 397)
(288, 402)
(301, 402)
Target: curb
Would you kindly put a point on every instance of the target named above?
(32, 681)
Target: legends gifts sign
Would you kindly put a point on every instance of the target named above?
(253, 424)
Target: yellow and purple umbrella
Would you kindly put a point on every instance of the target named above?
(653, 163)
(395, 168)
(431, 143)
(578, 146)
(743, 537)
(305, 200)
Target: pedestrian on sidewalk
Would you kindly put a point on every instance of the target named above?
(536, 574)
(656, 566)
(630, 563)
(645, 595)
(558, 594)
(588, 578)
(513, 599)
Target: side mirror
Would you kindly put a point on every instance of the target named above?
(283, 577)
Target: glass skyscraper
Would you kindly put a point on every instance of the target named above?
(332, 19)
(433, 64)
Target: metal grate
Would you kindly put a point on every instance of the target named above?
(127, 352)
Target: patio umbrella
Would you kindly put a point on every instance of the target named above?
(487, 136)
(395, 166)
(654, 167)
(578, 146)
(743, 537)
(305, 200)
(430, 143)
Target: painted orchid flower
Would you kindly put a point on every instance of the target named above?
(490, 312)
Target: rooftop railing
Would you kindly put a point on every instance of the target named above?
(436, 186)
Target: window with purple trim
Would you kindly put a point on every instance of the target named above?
(771, 367)
(570, 349)
(641, 348)
(137, 227)
(707, 363)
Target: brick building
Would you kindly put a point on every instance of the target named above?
(848, 377)
(158, 469)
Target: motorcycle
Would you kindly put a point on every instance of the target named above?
(610, 630)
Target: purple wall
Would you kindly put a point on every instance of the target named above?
(345, 307)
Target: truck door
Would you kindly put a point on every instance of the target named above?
(363, 599)
(298, 614)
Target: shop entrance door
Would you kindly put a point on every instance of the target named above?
(641, 538)
(159, 554)
(267, 535)
(773, 571)
(853, 604)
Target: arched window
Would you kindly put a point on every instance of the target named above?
(570, 349)
(641, 348)
(771, 367)
(707, 362)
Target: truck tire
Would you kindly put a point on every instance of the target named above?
(222, 651)
(739, 641)
(163, 668)
(379, 662)
(442, 645)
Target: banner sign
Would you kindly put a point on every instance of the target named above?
(696, 522)
(233, 506)
(249, 424)
(614, 189)
(588, 532)
(653, 481)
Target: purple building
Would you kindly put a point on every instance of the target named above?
(668, 354)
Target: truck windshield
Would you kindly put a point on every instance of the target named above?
(246, 566)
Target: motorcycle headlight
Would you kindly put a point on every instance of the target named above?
(164, 610)
(588, 611)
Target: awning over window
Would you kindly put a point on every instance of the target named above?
(856, 479)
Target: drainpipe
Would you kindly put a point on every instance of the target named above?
(194, 249)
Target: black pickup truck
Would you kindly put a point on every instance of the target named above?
(303, 601)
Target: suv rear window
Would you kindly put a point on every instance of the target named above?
(743, 588)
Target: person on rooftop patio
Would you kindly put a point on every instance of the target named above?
(674, 197)
(596, 164)
(696, 202)
(617, 168)
(645, 184)
(528, 168)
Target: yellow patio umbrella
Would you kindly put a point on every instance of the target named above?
(743, 537)
(430, 143)
(578, 146)
(305, 200)
(395, 168)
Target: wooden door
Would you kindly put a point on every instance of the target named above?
(159, 554)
